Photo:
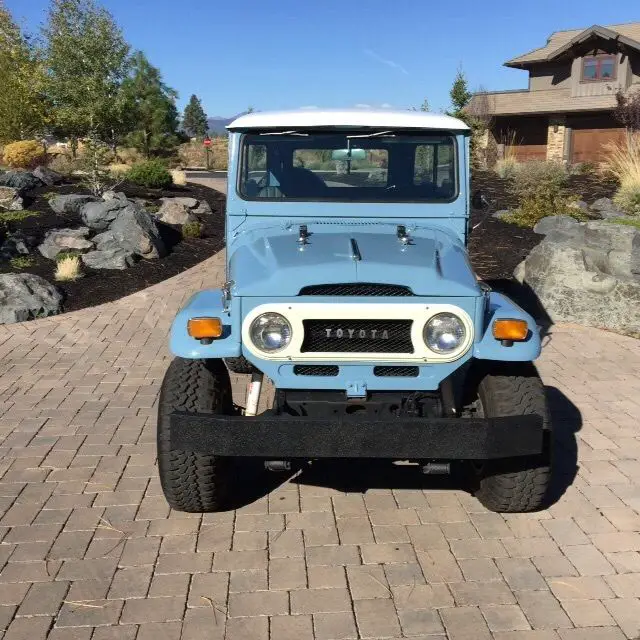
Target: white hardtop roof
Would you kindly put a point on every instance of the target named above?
(355, 118)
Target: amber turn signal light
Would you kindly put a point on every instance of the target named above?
(509, 329)
(204, 328)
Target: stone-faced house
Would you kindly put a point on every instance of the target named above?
(566, 113)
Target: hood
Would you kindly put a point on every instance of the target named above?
(271, 262)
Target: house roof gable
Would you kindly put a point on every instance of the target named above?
(560, 42)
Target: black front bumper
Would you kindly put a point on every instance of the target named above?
(281, 437)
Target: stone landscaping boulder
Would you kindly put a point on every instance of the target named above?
(23, 181)
(587, 273)
(202, 209)
(135, 231)
(99, 215)
(10, 199)
(71, 203)
(606, 208)
(176, 211)
(65, 240)
(116, 258)
(113, 195)
(15, 244)
(48, 176)
(602, 204)
(555, 223)
(579, 204)
(24, 296)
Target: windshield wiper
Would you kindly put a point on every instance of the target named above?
(283, 133)
(389, 134)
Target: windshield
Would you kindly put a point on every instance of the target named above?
(355, 166)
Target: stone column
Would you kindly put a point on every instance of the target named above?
(556, 138)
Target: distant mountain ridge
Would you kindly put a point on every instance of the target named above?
(217, 124)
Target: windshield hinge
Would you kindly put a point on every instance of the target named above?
(403, 235)
(303, 235)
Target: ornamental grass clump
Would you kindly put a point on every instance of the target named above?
(541, 190)
(68, 269)
(623, 163)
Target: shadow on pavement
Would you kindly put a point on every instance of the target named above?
(567, 421)
(359, 476)
(252, 482)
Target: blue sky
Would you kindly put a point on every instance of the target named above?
(337, 53)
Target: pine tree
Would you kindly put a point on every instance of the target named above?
(194, 121)
(460, 95)
(153, 108)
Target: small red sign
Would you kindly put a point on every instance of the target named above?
(207, 142)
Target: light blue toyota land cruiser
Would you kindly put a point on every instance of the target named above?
(348, 285)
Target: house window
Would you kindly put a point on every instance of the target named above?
(598, 68)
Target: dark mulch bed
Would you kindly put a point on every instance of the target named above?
(496, 247)
(105, 285)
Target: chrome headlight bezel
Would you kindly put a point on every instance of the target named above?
(260, 325)
(454, 327)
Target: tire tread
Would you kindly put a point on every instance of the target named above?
(520, 484)
(191, 481)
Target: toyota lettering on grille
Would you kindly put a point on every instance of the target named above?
(363, 334)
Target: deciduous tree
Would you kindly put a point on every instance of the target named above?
(22, 105)
(87, 59)
(627, 111)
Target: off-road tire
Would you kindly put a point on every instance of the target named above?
(191, 481)
(519, 484)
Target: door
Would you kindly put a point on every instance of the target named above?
(590, 139)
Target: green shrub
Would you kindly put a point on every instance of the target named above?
(16, 216)
(506, 168)
(22, 262)
(192, 230)
(628, 198)
(584, 169)
(63, 255)
(541, 190)
(64, 164)
(152, 174)
(26, 154)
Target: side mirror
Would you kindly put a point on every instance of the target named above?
(479, 201)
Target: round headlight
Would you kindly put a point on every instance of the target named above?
(270, 332)
(444, 333)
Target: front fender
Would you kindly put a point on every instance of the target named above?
(209, 303)
(488, 348)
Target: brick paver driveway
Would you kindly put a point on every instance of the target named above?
(89, 548)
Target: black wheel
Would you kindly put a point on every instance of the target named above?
(517, 484)
(192, 481)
